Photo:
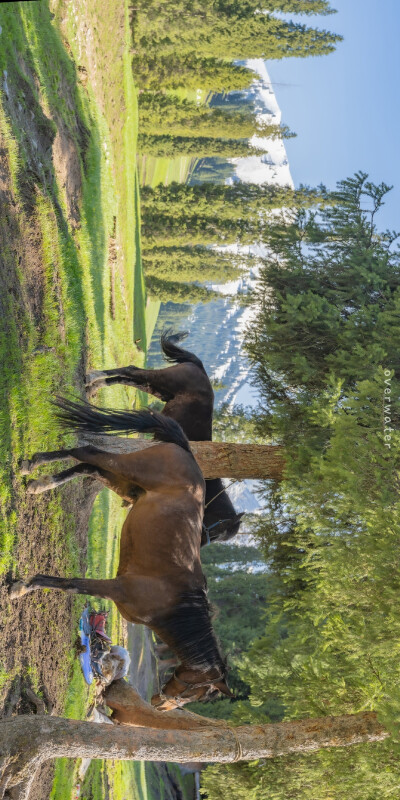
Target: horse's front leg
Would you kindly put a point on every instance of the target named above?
(107, 589)
(97, 379)
(157, 382)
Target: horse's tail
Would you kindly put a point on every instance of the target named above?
(82, 416)
(175, 354)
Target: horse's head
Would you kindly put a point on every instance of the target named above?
(221, 531)
(194, 686)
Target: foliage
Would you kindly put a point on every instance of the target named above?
(227, 29)
(225, 200)
(189, 71)
(239, 597)
(237, 424)
(181, 292)
(330, 532)
(181, 117)
(175, 48)
(207, 213)
(328, 320)
(194, 263)
(166, 145)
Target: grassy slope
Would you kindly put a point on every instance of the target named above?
(81, 254)
(81, 85)
(91, 271)
(112, 92)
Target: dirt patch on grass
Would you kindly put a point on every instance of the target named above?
(36, 636)
(38, 631)
(68, 170)
(69, 151)
(54, 149)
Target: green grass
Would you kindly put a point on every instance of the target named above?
(77, 314)
(41, 54)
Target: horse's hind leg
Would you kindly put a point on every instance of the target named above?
(53, 481)
(125, 472)
(111, 481)
(39, 459)
(107, 589)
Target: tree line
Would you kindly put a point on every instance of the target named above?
(325, 346)
(175, 52)
(175, 48)
(177, 38)
(184, 227)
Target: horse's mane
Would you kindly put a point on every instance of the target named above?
(189, 632)
(175, 354)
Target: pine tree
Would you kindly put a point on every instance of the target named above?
(241, 8)
(194, 264)
(265, 36)
(179, 292)
(297, 6)
(240, 200)
(330, 311)
(182, 214)
(174, 71)
(200, 146)
(209, 29)
(258, 35)
(180, 117)
(169, 231)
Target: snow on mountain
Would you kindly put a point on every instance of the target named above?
(229, 320)
(273, 167)
(217, 328)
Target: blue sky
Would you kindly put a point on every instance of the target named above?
(345, 107)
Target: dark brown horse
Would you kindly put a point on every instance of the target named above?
(189, 399)
(159, 582)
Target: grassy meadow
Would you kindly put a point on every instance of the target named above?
(75, 295)
(75, 299)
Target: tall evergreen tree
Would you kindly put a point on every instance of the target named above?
(257, 35)
(200, 146)
(180, 117)
(330, 314)
(325, 346)
(189, 71)
(169, 231)
(179, 292)
(194, 264)
(245, 7)
(238, 200)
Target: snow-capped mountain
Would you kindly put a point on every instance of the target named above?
(216, 328)
(273, 167)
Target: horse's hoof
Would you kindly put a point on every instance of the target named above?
(40, 485)
(18, 589)
(25, 467)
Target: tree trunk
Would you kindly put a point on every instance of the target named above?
(130, 709)
(215, 459)
(28, 741)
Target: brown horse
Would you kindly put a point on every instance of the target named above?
(189, 399)
(159, 582)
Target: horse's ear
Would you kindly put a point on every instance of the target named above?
(222, 687)
(239, 516)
